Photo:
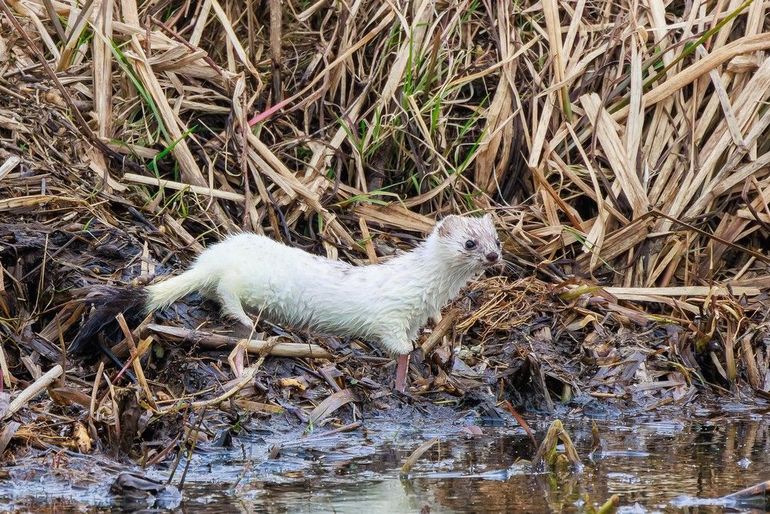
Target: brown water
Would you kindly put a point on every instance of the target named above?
(670, 465)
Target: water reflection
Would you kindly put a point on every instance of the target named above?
(653, 466)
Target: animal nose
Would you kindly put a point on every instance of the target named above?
(492, 256)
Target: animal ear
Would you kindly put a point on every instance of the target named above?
(448, 225)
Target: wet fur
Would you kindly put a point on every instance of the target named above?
(384, 303)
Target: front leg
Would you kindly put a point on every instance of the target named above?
(400, 345)
(402, 366)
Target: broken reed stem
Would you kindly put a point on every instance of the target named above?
(136, 355)
(246, 378)
(555, 433)
(181, 186)
(257, 347)
(409, 463)
(610, 506)
(7, 433)
(439, 331)
(95, 391)
(4, 369)
(33, 390)
(192, 441)
(331, 404)
(749, 359)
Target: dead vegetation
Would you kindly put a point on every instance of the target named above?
(622, 147)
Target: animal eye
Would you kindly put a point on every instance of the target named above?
(499, 244)
(470, 244)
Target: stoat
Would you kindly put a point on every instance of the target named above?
(384, 303)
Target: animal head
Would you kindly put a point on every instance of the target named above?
(468, 241)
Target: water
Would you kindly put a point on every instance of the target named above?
(669, 465)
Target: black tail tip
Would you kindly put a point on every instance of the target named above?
(107, 303)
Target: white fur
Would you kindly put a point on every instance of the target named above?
(385, 303)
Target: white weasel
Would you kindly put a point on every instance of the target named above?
(384, 303)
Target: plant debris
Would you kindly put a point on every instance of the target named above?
(623, 151)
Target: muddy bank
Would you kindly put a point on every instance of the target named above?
(620, 298)
(511, 341)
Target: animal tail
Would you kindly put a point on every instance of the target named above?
(134, 303)
(108, 302)
(165, 293)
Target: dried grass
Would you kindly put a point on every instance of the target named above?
(622, 144)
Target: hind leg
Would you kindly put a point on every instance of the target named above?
(231, 306)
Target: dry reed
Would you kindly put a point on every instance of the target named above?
(622, 146)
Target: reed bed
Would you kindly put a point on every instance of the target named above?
(621, 145)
